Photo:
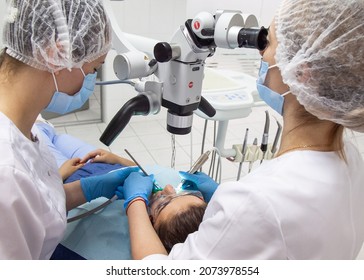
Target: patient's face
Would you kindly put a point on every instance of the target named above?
(164, 204)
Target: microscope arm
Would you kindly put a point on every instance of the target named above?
(138, 105)
(130, 63)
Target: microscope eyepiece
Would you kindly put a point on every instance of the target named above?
(255, 38)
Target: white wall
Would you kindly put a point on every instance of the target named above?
(262, 9)
(157, 19)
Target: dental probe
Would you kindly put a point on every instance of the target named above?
(156, 187)
(275, 143)
(264, 145)
(243, 151)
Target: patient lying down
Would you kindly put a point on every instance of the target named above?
(173, 215)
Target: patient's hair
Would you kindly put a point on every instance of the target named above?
(176, 229)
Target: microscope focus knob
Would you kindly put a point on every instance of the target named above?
(164, 52)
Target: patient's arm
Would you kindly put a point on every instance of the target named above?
(72, 165)
(69, 167)
(101, 155)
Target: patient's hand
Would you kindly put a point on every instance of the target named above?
(69, 167)
(101, 155)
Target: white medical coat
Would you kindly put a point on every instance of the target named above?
(301, 205)
(32, 200)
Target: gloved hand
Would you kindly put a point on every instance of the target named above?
(105, 185)
(136, 185)
(199, 181)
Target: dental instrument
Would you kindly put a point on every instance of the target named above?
(213, 156)
(243, 151)
(156, 187)
(276, 138)
(195, 167)
(253, 150)
(88, 213)
(199, 162)
(264, 145)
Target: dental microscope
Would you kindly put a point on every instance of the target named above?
(178, 67)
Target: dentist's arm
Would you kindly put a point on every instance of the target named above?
(143, 238)
(74, 195)
(92, 187)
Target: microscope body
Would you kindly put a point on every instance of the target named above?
(179, 66)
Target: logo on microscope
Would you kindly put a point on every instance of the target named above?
(197, 25)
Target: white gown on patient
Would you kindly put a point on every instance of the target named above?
(302, 205)
(32, 200)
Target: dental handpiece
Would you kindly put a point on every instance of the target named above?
(253, 150)
(264, 144)
(195, 167)
(156, 187)
(199, 162)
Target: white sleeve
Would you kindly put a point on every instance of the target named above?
(238, 224)
(21, 229)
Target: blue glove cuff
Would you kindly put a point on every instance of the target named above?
(141, 195)
(85, 189)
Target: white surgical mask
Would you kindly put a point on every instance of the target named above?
(272, 98)
(63, 103)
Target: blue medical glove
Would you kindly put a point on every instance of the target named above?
(136, 185)
(105, 185)
(199, 181)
